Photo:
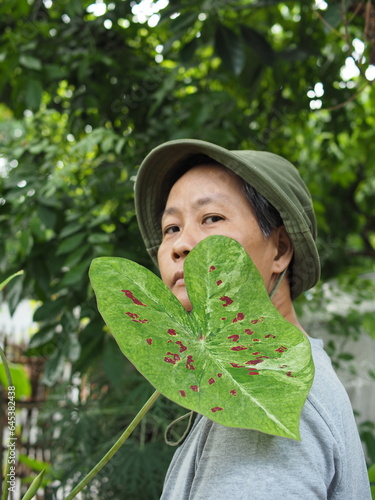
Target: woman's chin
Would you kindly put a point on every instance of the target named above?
(183, 298)
(186, 304)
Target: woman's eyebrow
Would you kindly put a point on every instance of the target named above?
(201, 202)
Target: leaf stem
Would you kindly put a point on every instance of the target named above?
(6, 368)
(5, 491)
(121, 440)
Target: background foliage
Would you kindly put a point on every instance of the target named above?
(86, 90)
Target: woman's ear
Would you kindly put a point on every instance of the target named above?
(284, 252)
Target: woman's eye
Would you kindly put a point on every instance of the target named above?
(210, 219)
(171, 229)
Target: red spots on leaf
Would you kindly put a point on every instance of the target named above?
(269, 336)
(253, 372)
(233, 337)
(130, 295)
(236, 365)
(283, 366)
(134, 317)
(212, 268)
(219, 282)
(289, 374)
(233, 392)
(211, 381)
(173, 360)
(183, 393)
(149, 341)
(239, 348)
(248, 331)
(216, 408)
(259, 320)
(256, 340)
(223, 319)
(255, 353)
(227, 300)
(176, 357)
(219, 375)
(254, 362)
(189, 362)
(239, 317)
(169, 360)
(182, 346)
(194, 388)
(281, 349)
(172, 332)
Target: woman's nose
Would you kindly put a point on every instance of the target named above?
(183, 245)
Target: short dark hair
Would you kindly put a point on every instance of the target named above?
(267, 216)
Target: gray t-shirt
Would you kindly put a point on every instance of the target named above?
(223, 463)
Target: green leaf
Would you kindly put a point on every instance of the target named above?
(119, 145)
(107, 142)
(334, 15)
(183, 22)
(7, 280)
(75, 257)
(231, 49)
(72, 347)
(30, 62)
(71, 243)
(47, 216)
(33, 94)
(19, 378)
(32, 463)
(26, 241)
(76, 274)
(14, 295)
(346, 356)
(233, 358)
(259, 44)
(368, 323)
(187, 52)
(34, 486)
(91, 340)
(54, 72)
(42, 337)
(71, 229)
(98, 238)
(50, 309)
(50, 202)
(371, 473)
(54, 368)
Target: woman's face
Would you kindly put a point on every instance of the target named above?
(208, 200)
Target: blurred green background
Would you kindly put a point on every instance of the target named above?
(86, 91)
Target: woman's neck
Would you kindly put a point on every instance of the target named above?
(284, 304)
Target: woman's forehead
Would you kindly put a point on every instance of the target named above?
(209, 173)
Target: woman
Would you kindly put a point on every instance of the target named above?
(187, 190)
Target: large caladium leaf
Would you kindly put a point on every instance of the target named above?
(233, 358)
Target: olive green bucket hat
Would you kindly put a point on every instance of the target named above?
(271, 175)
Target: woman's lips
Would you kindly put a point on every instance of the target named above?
(179, 282)
(178, 279)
